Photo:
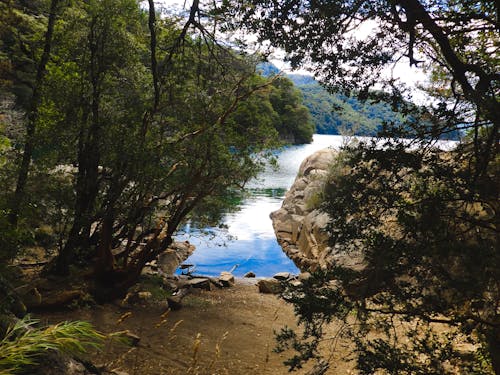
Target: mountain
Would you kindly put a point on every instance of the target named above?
(339, 114)
(336, 113)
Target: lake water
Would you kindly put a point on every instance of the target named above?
(252, 245)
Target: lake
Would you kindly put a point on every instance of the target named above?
(249, 242)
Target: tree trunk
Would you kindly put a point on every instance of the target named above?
(87, 184)
(32, 118)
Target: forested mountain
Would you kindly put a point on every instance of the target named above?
(336, 113)
(294, 121)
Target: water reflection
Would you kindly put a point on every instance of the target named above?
(248, 243)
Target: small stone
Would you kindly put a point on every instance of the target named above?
(249, 274)
(144, 295)
(295, 283)
(282, 276)
(269, 286)
(226, 279)
(174, 302)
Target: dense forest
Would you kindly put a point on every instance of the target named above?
(338, 114)
(119, 123)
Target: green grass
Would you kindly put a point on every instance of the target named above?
(23, 343)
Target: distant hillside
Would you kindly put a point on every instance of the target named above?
(302, 79)
(294, 121)
(335, 113)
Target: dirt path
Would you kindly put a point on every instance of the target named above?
(223, 331)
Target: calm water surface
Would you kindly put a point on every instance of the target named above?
(249, 241)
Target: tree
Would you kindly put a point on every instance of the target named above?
(140, 120)
(294, 121)
(423, 222)
(32, 111)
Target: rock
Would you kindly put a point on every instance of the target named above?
(170, 259)
(148, 271)
(175, 301)
(55, 363)
(282, 276)
(200, 283)
(226, 279)
(249, 274)
(144, 295)
(300, 228)
(269, 286)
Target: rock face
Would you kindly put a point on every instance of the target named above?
(299, 226)
(170, 259)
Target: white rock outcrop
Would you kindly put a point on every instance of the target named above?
(301, 228)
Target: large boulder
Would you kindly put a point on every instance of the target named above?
(270, 286)
(226, 279)
(300, 228)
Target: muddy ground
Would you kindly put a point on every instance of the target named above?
(223, 331)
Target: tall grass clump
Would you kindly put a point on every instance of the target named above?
(23, 343)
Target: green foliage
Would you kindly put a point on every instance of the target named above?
(337, 114)
(429, 263)
(293, 118)
(9, 239)
(24, 344)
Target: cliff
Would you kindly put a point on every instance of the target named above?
(301, 228)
